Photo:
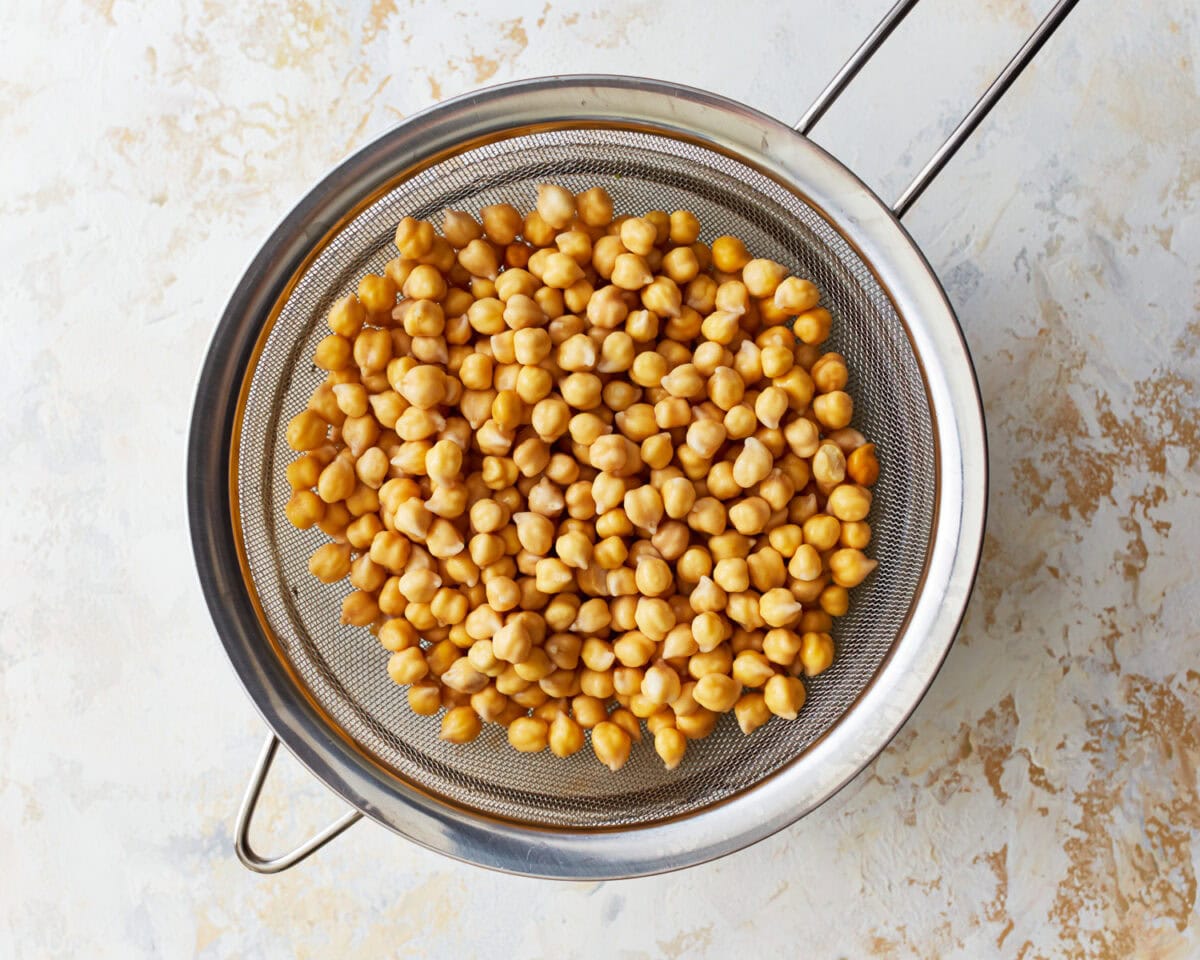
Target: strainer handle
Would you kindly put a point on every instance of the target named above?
(991, 96)
(241, 843)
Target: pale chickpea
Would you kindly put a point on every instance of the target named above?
(595, 207)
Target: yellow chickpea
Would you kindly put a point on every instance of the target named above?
(611, 744)
(595, 207)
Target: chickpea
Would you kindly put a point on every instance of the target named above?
(611, 744)
(662, 297)
(862, 465)
(781, 646)
(638, 235)
(821, 531)
(414, 238)
(681, 265)
(330, 562)
(407, 665)
(752, 669)
(816, 653)
(750, 516)
(763, 277)
(729, 254)
(565, 736)
(717, 692)
(752, 712)
(784, 696)
(779, 608)
(705, 437)
(595, 207)
(346, 317)
(528, 734)
(850, 567)
(752, 464)
(631, 272)
(805, 563)
(305, 509)
(696, 725)
(555, 205)
(813, 326)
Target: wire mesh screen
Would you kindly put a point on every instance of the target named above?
(344, 667)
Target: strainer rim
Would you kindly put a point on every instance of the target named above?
(885, 247)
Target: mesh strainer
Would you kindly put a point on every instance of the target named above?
(323, 687)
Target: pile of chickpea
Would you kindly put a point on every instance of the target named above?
(584, 471)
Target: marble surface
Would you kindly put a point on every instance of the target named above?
(1042, 802)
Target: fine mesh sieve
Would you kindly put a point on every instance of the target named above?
(344, 666)
(323, 688)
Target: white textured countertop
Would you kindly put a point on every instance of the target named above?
(1042, 802)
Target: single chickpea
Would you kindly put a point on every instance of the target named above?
(425, 283)
(862, 465)
(302, 474)
(560, 271)
(360, 532)
(776, 361)
(822, 531)
(795, 295)
(555, 205)
(662, 297)
(595, 207)
(681, 265)
(346, 317)
(611, 744)
(565, 736)
(729, 254)
(813, 326)
(781, 646)
(763, 277)
(694, 564)
(644, 507)
(669, 744)
(631, 272)
(407, 666)
(784, 696)
(752, 464)
(684, 228)
(750, 516)
(717, 692)
(638, 235)
(306, 431)
(849, 567)
(414, 238)
(696, 725)
(720, 327)
(805, 563)
(705, 437)
(830, 373)
(751, 711)
(849, 502)
(336, 482)
(330, 562)
(779, 608)
(732, 575)
(528, 734)
(816, 653)
(752, 669)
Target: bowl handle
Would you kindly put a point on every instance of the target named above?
(241, 843)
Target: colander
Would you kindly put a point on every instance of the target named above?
(323, 688)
